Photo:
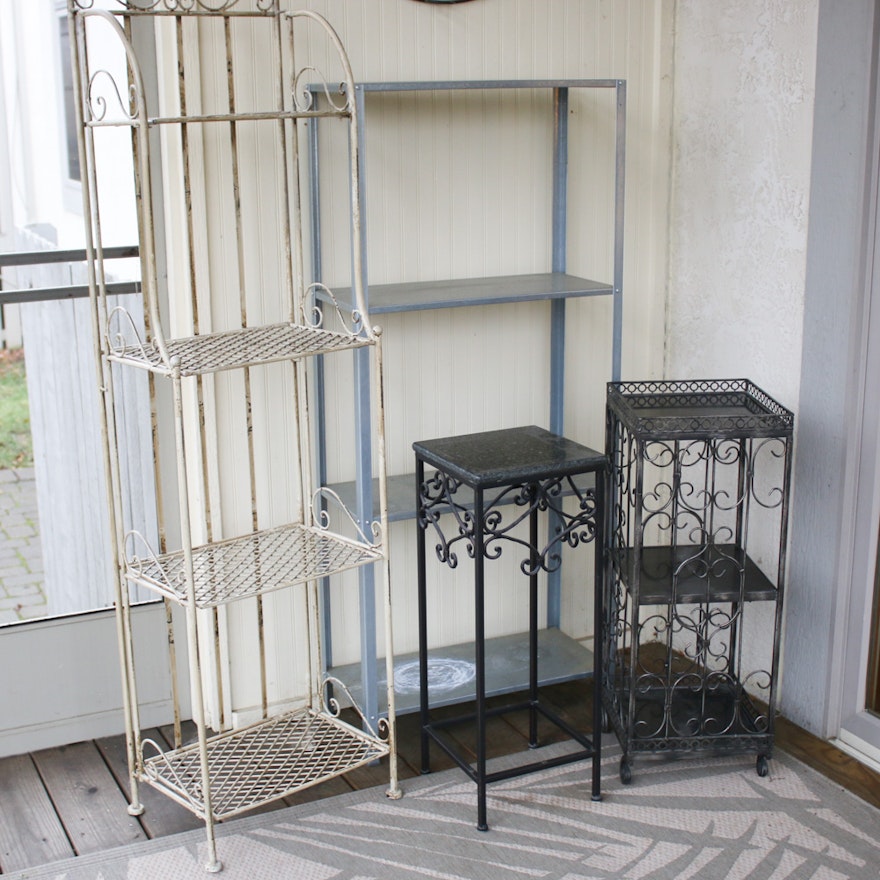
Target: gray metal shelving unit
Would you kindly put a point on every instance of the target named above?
(556, 287)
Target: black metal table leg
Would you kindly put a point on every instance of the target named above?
(533, 626)
(424, 707)
(599, 593)
(480, 658)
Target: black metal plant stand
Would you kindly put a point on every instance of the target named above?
(526, 471)
(698, 514)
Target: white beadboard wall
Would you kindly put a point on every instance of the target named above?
(458, 184)
(742, 154)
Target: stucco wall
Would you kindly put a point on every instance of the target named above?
(743, 110)
(771, 113)
(742, 124)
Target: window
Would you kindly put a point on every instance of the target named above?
(71, 151)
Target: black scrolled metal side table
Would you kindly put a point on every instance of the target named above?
(698, 510)
(527, 471)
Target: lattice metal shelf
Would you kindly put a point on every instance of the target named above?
(258, 563)
(213, 352)
(694, 713)
(261, 763)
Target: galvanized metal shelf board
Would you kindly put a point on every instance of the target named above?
(252, 564)
(494, 290)
(263, 762)
(249, 346)
(481, 84)
(451, 669)
(694, 574)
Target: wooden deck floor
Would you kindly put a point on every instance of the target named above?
(72, 800)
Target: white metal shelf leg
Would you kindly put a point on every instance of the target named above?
(394, 791)
(213, 864)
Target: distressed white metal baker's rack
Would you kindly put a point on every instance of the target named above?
(223, 267)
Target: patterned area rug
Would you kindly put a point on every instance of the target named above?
(702, 817)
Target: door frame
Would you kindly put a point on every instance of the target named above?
(854, 729)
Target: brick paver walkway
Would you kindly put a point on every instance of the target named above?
(21, 559)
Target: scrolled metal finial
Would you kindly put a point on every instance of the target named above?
(137, 563)
(303, 97)
(727, 451)
(445, 555)
(321, 516)
(314, 317)
(152, 773)
(659, 453)
(384, 729)
(117, 343)
(304, 92)
(101, 84)
(772, 496)
(332, 705)
(353, 324)
(659, 498)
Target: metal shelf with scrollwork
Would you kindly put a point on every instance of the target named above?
(696, 712)
(228, 319)
(698, 510)
(247, 347)
(306, 747)
(513, 477)
(249, 565)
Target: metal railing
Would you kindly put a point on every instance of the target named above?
(71, 291)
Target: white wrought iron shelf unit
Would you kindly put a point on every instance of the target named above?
(261, 763)
(236, 349)
(250, 565)
(555, 287)
(192, 254)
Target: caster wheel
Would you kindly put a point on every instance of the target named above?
(626, 774)
(761, 766)
(606, 722)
